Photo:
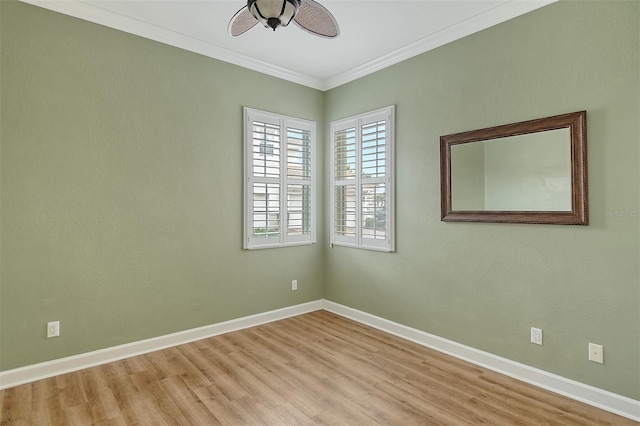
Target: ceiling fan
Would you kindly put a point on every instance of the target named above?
(307, 14)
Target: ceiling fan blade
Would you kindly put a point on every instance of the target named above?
(241, 22)
(316, 19)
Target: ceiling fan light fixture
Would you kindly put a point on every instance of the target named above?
(273, 13)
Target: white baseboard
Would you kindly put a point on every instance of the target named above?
(596, 397)
(609, 401)
(43, 370)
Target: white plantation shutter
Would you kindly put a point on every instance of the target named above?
(374, 177)
(265, 179)
(279, 184)
(362, 181)
(299, 195)
(344, 178)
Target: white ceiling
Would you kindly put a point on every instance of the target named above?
(373, 33)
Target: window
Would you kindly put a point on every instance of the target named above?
(279, 184)
(362, 181)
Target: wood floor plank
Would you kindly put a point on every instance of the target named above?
(80, 415)
(103, 406)
(47, 411)
(16, 405)
(71, 390)
(271, 373)
(313, 369)
(43, 389)
(191, 407)
(117, 421)
(219, 407)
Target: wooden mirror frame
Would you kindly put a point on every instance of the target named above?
(579, 215)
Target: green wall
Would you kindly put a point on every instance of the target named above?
(121, 209)
(468, 176)
(122, 189)
(485, 285)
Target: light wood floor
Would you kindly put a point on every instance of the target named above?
(317, 368)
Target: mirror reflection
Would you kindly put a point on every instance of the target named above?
(530, 172)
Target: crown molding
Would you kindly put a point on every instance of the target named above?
(92, 13)
(476, 23)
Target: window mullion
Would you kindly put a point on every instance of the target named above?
(334, 186)
(359, 181)
(284, 214)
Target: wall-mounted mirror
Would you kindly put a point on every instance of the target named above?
(529, 172)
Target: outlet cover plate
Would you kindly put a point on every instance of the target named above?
(536, 336)
(53, 329)
(596, 353)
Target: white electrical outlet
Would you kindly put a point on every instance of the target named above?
(536, 336)
(53, 329)
(294, 285)
(596, 353)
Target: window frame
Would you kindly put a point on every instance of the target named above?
(283, 239)
(357, 122)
